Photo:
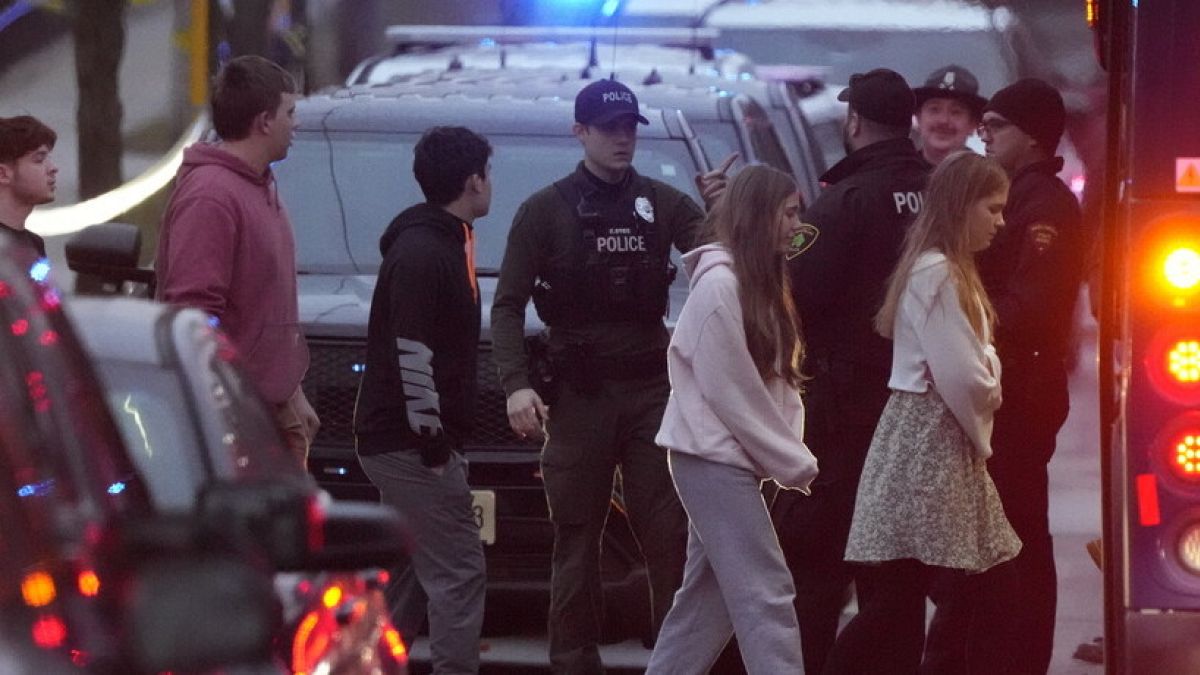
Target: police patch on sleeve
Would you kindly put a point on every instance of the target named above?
(1042, 236)
(644, 209)
(803, 238)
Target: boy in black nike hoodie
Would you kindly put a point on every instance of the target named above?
(416, 397)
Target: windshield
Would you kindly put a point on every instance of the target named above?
(375, 182)
(151, 410)
(164, 432)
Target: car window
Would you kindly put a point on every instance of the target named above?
(375, 182)
(151, 410)
(763, 136)
(718, 140)
(830, 140)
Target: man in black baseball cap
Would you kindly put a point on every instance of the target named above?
(949, 108)
(838, 284)
(593, 252)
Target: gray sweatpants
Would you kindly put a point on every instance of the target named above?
(447, 576)
(736, 579)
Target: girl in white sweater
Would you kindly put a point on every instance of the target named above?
(734, 419)
(925, 501)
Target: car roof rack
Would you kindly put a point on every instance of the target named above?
(697, 38)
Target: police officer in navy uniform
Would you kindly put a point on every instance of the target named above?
(858, 222)
(592, 250)
(1032, 273)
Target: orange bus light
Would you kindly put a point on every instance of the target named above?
(1181, 268)
(1185, 456)
(89, 583)
(1183, 361)
(38, 589)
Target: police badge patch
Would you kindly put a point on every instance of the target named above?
(644, 209)
(1042, 236)
(803, 238)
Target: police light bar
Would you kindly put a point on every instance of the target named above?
(511, 35)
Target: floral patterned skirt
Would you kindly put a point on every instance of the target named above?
(925, 495)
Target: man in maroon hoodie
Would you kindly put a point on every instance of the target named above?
(227, 246)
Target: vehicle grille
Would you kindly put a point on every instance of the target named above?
(331, 385)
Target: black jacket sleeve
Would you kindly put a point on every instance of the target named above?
(689, 223)
(513, 290)
(825, 266)
(1033, 301)
(416, 283)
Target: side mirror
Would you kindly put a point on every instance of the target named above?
(301, 529)
(197, 613)
(109, 252)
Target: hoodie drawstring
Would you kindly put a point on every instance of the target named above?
(469, 248)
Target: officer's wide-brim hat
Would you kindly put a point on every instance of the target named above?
(603, 101)
(955, 83)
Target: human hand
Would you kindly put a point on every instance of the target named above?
(527, 413)
(712, 184)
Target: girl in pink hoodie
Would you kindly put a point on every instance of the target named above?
(734, 419)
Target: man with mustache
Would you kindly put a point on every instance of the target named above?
(949, 108)
(27, 175)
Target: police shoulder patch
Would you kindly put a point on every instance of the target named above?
(803, 238)
(1042, 236)
(644, 209)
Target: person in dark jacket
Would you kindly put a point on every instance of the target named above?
(592, 250)
(27, 175)
(416, 398)
(1002, 621)
(838, 284)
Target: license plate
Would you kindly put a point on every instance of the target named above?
(483, 502)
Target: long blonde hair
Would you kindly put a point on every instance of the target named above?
(744, 220)
(957, 184)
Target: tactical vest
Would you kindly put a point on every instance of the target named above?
(620, 267)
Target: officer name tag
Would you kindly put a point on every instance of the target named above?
(483, 503)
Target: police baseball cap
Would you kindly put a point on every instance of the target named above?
(604, 101)
(953, 82)
(880, 95)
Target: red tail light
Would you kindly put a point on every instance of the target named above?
(1172, 361)
(316, 525)
(49, 632)
(395, 645)
(1147, 493)
(313, 637)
